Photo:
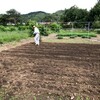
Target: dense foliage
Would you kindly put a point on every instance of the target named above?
(73, 14)
(12, 17)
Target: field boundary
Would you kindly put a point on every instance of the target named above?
(50, 38)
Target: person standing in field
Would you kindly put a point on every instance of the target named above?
(37, 35)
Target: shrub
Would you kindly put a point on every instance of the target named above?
(43, 30)
(85, 36)
(97, 31)
(12, 28)
(7, 28)
(2, 28)
(60, 37)
(72, 36)
(96, 24)
(22, 28)
(75, 34)
(55, 27)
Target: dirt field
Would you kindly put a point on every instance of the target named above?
(51, 71)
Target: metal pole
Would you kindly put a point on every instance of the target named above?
(88, 26)
(72, 26)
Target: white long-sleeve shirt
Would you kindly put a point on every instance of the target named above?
(36, 30)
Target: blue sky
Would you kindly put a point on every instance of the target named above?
(49, 6)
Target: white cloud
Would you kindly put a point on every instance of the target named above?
(50, 6)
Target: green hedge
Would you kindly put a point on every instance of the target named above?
(73, 35)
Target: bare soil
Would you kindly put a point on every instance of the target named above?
(51, 71)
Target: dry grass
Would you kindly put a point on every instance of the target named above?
(53, 38)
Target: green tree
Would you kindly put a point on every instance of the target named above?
(96, 24)
(48, 18)
(75, 14)
(13, 16)
(4, 19)
(94, 14)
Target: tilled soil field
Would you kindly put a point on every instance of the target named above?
(51, 71)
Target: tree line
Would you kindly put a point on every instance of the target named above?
(73, 14)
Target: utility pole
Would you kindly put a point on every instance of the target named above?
(72, 23)
(88, 26)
